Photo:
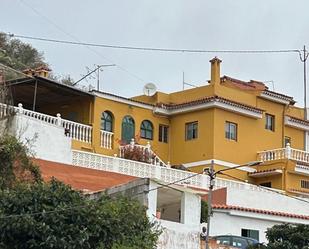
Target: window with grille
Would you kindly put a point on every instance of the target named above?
(304, 184)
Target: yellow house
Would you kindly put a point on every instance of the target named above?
(227, 120)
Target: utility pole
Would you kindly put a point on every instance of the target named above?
(212, 176)
(303, 57)
(304, 60)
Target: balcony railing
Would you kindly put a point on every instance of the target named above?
(284, 153)
(106, 139)
(72, 129)
(146, 170)
(148, 154)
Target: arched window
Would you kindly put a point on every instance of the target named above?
(107, 121)
(128, 129)
(147, 130)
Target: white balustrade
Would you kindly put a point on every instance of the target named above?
(36, 115)
(302, 169)
(3, 110)
(6, 110)
(284, 153)
(146, 149)
(145, 170)
(77, 131)
(74, 130)
(106, 139)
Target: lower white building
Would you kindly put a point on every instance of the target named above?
(249, 213)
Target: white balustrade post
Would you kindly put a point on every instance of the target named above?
(20, 108)
(115, 163)
(132, 143)
(168, 164)
(58, 119)
(288, 151)
(158, 172)
(148, 146)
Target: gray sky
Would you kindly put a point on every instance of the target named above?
(195, 24)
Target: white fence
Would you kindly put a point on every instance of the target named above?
(72, 129)
(284, 153)
(106, 139)
(148, 153)
(165, 174)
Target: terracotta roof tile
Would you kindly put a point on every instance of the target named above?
(81, 178)
(279, 94)
(210, 99)
(260, 211)
(298, 120)
(251, 85)
(262, 171)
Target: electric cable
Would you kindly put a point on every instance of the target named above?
(76, 39)
(265, 188)
(152, 48)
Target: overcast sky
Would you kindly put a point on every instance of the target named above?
(195, 24)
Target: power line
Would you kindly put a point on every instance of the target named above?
(76, 39)
(16, 71)
(153, 48)
(262, 187)
(143, 192)
(81, 206)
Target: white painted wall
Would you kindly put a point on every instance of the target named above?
(177, 235)
(266, 201)
(46, 141)
(189, 204)
(225, 222)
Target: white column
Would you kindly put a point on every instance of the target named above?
(288, 151)
(190, 203)
(152, 200)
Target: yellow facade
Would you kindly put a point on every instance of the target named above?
(223, 102)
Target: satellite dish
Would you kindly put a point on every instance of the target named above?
(150, 89)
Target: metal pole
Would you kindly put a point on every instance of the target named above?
(34, 96)
(98, 79)
(305, 84)
(183, 80)
(211, 175)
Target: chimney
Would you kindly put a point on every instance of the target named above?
(29, 72)
(42, 71)
(215, 71)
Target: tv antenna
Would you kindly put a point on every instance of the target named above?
(97, 70)
(185, 83)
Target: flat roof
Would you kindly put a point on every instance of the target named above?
(79, 178)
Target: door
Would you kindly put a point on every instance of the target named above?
(127, 129)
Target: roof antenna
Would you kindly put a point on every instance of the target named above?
(271, 82)
(185, 83)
